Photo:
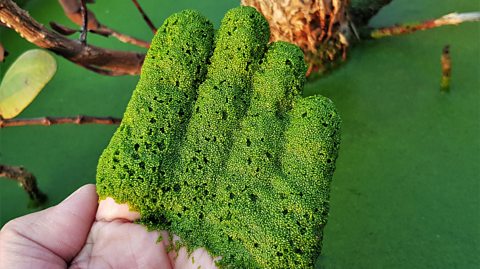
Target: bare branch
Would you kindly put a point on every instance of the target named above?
(105, 31)
(47, 121)
(145, 17)
(62, 29)
(72, 9)
(3, 53)
(28, 182)
(407, 28)
(84, 29)
(446, 61)
(103, 71)
(116, 62)
(65, 30)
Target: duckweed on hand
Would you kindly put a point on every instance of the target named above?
(218, 147)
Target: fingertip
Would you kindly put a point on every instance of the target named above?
(109, 210)
(81, 205)
(57, 233)
(86, 192)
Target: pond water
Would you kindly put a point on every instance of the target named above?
(406, 192)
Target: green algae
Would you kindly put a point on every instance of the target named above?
(218, 147)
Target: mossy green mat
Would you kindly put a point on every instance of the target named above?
(221, 149)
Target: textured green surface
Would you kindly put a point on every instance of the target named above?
(143, 147)
(242, 166)
(406, 190)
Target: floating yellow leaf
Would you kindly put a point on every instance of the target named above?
(25, 78)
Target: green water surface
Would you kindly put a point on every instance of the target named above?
(406, 193)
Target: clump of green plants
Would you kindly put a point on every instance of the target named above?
(218, 146)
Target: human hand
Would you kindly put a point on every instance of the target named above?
(80, 233)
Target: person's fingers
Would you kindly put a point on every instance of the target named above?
(199, 258)
(52, 237)
(120, 244)
(181, 258)
(109, 210)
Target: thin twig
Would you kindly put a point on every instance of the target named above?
(28, 182)
(84, 29)
(47, 121)
(62, 29)
(450, 19)
(105, 31)
(145, 17)
(3, 53)
(72, 9)
(113, 61)
(103, 71)
(446, 61)
(66, 31)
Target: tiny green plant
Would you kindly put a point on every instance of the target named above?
(221, 149)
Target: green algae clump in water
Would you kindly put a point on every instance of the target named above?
(218, 146)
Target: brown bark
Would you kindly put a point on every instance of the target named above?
(319, 27)
(111, 62)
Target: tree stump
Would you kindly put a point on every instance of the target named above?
(321, 28)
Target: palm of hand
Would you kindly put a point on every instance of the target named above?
(75, 234)
(229, 158)
(114, 241)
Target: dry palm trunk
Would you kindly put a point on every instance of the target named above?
(319, 27)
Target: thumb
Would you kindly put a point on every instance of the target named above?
(51, 237)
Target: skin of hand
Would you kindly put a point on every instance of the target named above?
(81, 232)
